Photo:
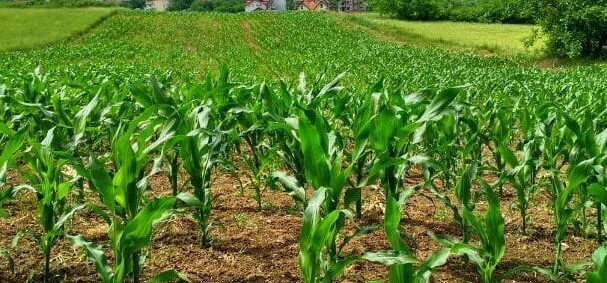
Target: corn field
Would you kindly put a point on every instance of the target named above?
(87, 126)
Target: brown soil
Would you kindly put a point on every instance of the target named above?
(262, 246)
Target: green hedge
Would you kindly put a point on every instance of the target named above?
(502, 11)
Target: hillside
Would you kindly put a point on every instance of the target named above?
(277, 46)
(30, 28)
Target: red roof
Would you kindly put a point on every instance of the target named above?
(310, 4)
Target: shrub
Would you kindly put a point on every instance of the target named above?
(575, 28)
(134, 4)
(421, 10)
(506, 11)
(227, 6)
(180, 5)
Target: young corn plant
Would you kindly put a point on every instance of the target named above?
(125, 208)
(553, 145)
(395, 128)
(201, 151)
(305, 101)
(128, 239)
(597, 180)
(319, 256)
(52, 187)
(404, 266)
(327, 173)
(423, 269)
(522, 175)
(317, 237)
(598, 192)
(171, 107)
(124, 204)
(582, 144)
(258, 154)
(490, 232)
(8, 156)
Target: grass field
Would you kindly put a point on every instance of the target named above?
(481, 167)
(505, 39)
(28, 28)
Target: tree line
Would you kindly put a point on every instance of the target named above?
(571, 28)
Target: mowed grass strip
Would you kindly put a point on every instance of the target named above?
(29, 28)
(504, 39)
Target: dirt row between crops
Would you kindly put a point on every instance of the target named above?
(262, 246)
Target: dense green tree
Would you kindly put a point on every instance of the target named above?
(574, 28)
(411, 9)
(226, 6)
(180, 5)
(135, 4)
(503, 11)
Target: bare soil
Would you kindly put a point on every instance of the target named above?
(262, 246)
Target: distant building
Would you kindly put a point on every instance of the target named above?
(279, 5)
(158, 5)
(351, 6)
(257, 5)
(313, 5)
(265, 5)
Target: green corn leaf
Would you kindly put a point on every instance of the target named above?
(477, 225)
(102, 183)
(579, 173)
(598, 192)
(291, 186)
(48, 139)
(508, 155)
(315, 158)
(95, 255)
(598, 257)
(383, 130)
(426, 161)
(496, 244)
(600, 261)
(437, 259)
(462, 189)
(333, 86)
(573, 125)
(5, 130)
(308, 259)
(67, 216)
(338, 268)
(470, 251)
(393, 216)
(439, 104)
(138, 232)
(11, 147)
(190, 200)
(601, 141)
(324, 230)
(125, 179)
(390, 258)
(169, 276)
